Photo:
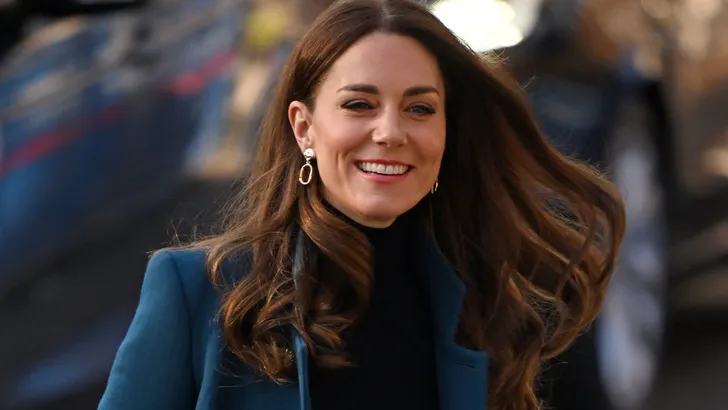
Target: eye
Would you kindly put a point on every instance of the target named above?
(422, 109)
(358, 105)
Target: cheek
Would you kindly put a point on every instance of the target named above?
(335, 142)
(432, 146)
(336, 136)
(432, 151)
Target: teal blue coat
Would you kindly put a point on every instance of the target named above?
(174, 358)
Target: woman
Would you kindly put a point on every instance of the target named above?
(408, 239)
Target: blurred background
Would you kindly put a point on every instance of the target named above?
(124, 125)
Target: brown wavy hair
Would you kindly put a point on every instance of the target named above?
(532, 233)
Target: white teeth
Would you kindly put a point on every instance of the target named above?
(383, 169)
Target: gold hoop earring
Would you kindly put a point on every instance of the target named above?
(434, 187)
(308, 154)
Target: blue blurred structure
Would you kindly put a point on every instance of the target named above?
(100, 119)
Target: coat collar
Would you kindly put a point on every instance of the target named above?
(462, 373)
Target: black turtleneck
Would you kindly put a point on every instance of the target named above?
(392, 345)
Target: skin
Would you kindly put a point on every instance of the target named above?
(383, 99)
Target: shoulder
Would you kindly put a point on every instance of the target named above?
(191, 268)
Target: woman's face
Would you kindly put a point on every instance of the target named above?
(378, 128)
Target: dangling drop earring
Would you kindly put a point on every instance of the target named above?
(434, 187)
(308, 154)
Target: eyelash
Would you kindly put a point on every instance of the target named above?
(357, 105)
(363, 105)
(426, 109)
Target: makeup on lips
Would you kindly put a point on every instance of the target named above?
(384, 171)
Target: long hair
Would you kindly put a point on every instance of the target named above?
(532, 233)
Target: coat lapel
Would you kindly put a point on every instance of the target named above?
(462, 373)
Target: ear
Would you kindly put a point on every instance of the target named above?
(300, 118)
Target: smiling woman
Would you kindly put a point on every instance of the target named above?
(378, 128)
(397, 245)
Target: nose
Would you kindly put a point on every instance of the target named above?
(388, 131)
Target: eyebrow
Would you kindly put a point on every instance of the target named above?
(371, 89)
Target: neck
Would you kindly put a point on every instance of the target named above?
(380, 236)
(359, 219)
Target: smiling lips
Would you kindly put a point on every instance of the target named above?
(384, 171)
(383, 167)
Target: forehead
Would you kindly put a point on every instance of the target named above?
(386, 61)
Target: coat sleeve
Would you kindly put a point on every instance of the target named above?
(153, 366)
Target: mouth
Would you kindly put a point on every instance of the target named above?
(382, 168)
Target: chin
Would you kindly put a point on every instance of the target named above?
(383, 211)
